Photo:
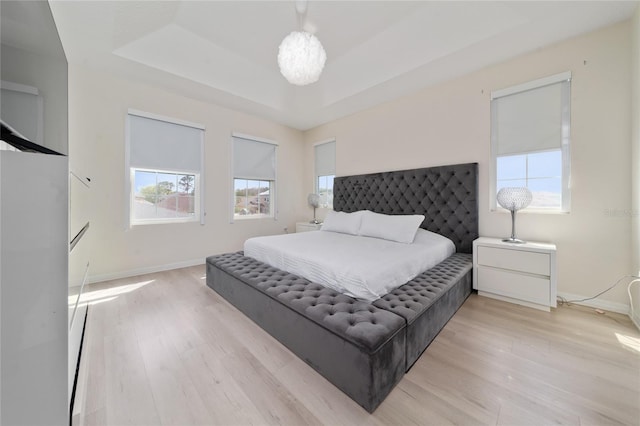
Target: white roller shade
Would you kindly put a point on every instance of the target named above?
(530, 120)
(325, 159)
(161, 145)
(253, 159)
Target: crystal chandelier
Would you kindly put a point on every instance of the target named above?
(301, 58)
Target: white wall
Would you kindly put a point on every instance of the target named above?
(98, 107)
(447, 123)
(635, 161)
(450, 123)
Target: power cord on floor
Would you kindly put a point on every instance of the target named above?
(631, 313)
(634, 279)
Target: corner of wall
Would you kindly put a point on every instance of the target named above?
(635, 160)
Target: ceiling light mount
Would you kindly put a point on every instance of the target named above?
(301, 7)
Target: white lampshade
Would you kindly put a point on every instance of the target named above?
(313, 200)
(514, 198)
(301, 58)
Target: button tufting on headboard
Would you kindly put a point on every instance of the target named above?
(446, 195)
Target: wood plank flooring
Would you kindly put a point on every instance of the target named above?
(164, 349)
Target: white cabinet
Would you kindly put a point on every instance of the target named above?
(34, 219)
(307, 226)
(517, 273)
(33, 288)
(79, 255)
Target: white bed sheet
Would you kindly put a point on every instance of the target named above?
(362, 267)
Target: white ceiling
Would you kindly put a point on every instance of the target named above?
(225, 51)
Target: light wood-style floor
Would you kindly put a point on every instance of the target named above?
(165, 349)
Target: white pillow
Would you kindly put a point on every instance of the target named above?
(400, 228)
(346, 223)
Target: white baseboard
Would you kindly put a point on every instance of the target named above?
(141, 271)
(620, 308)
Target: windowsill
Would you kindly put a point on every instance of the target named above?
(165, 221)
(531, 211)
(252, 216)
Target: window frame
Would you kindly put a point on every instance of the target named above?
(565, 143)
(272, 183)
(316, 176)
(129, 189)
(325, 204)
(256, 215)
(186, 219)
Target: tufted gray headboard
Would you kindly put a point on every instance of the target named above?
(446, 195)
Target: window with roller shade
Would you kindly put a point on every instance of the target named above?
(254, 178)
(165, 170)
(530, 141)
(325, 171)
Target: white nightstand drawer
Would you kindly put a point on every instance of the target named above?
(307, 226)
(517, 273)
(514, 285)
(514, 259)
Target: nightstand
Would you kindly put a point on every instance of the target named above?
(518, 273)
(307, 226)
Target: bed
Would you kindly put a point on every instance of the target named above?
(364, 348)
(360, 266)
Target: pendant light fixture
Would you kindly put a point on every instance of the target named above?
(301, 57)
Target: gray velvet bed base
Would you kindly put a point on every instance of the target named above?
(365, 349)
(356, 346)
(429, 301)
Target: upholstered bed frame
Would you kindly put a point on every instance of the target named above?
(363, 348)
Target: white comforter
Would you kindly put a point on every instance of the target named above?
(362, 267)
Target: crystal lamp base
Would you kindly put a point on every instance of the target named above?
(514, 241)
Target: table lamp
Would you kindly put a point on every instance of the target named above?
(314, 201)
(514, 199)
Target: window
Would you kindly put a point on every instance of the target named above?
(530, 140)
(165, 168)
(161, 195)
(325, 171)
(252, 197)
(254, 177)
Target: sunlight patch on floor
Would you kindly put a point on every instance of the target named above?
(108, 294)
(629, 342)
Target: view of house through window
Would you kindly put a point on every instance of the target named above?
(252, 197)
(163, 195)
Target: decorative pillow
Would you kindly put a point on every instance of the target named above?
(346, 223)
(400, 228)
